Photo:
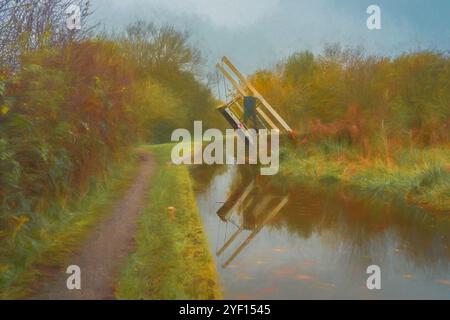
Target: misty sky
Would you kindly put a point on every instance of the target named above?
(257, 33)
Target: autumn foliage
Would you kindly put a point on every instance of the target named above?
(71, 110)
(366, 101)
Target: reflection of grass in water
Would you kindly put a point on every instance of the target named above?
(202, 175)
(344, 215)
(55, 234)
(172, 259)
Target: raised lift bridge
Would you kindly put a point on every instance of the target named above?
(249, 208)
(234, 109)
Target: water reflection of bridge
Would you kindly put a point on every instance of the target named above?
(323, 235)
(249, 208)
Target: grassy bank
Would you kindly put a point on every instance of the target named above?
(172, 258)
(419, 176)
(51, 237)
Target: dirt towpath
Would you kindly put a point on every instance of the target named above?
(102, 254)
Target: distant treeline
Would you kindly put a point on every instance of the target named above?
(72, 103)
(348, 96)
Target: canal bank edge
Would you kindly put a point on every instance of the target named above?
(171, 259)
(418, 177)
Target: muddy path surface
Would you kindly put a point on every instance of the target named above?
(103, 252)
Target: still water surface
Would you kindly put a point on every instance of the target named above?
(317, 244)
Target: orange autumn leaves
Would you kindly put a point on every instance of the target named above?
(347, 95)
(70, 110)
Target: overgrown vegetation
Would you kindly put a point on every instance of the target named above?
(376, 103)
(417, 176)
(52, 238)
(70, 110)
(382, 124)
(172, 258)
(72, 105)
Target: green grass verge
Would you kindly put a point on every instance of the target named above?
(419, 176)
(51, 237)
(172, 258)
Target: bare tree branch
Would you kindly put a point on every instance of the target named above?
(27, 25)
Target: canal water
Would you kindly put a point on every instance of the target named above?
(270, 243)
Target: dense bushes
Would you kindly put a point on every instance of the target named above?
(70, 110)
(380, 125)
(362, 99)
(64, 116)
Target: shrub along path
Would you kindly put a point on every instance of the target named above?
(101, 257)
